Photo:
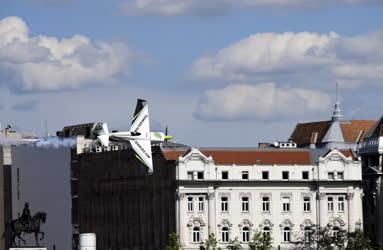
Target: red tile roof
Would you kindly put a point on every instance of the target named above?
(350, 130)
(250, 157)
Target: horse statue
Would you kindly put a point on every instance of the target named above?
(18, 227)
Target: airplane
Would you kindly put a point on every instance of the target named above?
(139, 135)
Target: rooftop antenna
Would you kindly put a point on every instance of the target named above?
(46, 128)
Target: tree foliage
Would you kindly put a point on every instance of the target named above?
(358, 240)
(210, 243)
(327, 238)
(260, 241)
(234, 244)
(174, 242)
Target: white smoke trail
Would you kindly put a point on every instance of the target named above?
(56, 142)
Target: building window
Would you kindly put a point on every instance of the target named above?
(224, 204)
(245, 175)
(266, 231)
(200, 204)
(286, 204)
(245, 204)
(308, 234)
(190, 176)
(190, 204)
(330, 175)
(265, 175)
(200, 175)
(285, 175)
(225, 175)
(225, 234)
(245, 234)
(196, 235)
(265, 204)
(305, 175)
(286, 234)
(306, 204)
(341, 204)
(339, 175)
(330, 204)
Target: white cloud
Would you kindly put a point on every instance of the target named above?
(219, 7)
(296, 57)
(42, 63)
(260, 102)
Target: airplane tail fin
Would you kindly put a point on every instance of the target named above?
(103, 134)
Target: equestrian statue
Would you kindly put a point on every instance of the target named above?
(26, 224)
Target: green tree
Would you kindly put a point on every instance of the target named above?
(174, 242)
(260, 241)
(210, 243)
(234, 244)
(358, 240)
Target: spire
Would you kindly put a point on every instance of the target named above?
(337, 113)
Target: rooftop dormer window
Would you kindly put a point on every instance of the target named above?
(200, 175)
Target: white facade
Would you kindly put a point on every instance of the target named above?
(235, 200)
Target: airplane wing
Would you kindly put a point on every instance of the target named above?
(143, 150)
(141, 120)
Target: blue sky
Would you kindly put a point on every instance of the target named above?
(218, 73)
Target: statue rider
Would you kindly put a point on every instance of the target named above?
(26, 216)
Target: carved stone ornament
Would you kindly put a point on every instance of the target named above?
(210, 196)
(224, 195)
(322, 196)
(265, 195)
(246, 222)
(306, 223)
(266, 223)
(243, 194)
(336, 222)
(181, 196)
(350, 196)
(286, 223)
(196, 221)
(225, 222)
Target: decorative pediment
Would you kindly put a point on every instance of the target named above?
(196, 221)
(286, 223)
(246, 223)
(195, 155)
(334, 155)
(306, 223)
(336, 222)
(266, 223)
(225, 222)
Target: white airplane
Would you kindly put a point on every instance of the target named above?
(139, 135)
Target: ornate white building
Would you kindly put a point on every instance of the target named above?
(282, 192)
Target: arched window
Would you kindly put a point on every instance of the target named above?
(286, 234)
(225, 234)
(196, 234)
(266, 231)
(308, 233)
(245, 234)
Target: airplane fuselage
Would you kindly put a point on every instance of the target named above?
(126, 136)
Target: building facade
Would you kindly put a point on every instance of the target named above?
(282, 192)
(371, 153)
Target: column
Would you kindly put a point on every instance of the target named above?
(211, 213)
(350, 210)
(322, 210)
(182, 210)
